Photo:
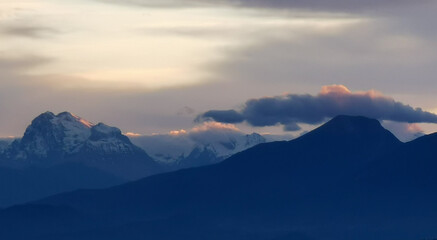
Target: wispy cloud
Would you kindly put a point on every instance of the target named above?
(320, 5)
(132, 134)
(28, 31)
(208, 132)
(404, 131)
(291, 109)
(16, 64)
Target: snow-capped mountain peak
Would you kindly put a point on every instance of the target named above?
(102, 130)
(69, 117)
(57, 136)
(52, 140)
(108, 140)
(235, 144)
(254, 139)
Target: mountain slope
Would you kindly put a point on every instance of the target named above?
(18, 186)
(324, 185)
(63, 152)
(57, 139)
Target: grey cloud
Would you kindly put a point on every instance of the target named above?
(195, 32)
(373, 54)
(17, 64)
(227, 116)
(291, 109)
(213, 31)
(330, 5)
(292, 127)
(319, 5)
(186, 111)
(28, 31)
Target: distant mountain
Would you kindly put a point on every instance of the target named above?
(56, 139)
(65, 152)
(185, 152)
(3, 145)
(348, 179)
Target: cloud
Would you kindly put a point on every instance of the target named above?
(324, 5)
(132, 134)
(214, 132)
(319, 5)
(227, 116)
(181, 142)
(208, 132)
(214, 126)
(404, 131)
(291, 109)
(178, 132)
(28, 31)
(363, 55)
(18, 64)
(186, 111)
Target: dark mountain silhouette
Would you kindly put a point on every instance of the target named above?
(348, 179)
(64, 152)
(23, 185)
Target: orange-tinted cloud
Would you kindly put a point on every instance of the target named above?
(131, 134)
(335, 90)
(178, 132)
(404, 131)
(209, 132)
(207, 126)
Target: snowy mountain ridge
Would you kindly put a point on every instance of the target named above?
(56, 139)
(225, 149)
(184, 151)
(64, 134)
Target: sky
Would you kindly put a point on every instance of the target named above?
(149, 66)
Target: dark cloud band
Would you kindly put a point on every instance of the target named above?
(289, 110)
(318, 5)
(226, 116)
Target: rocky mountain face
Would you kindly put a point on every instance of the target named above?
(56, 139)
(64, 152)
(4, 145)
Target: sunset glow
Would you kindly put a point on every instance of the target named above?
(82, 55)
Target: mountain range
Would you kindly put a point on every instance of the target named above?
(64, 152)
(186, 150)
(57, 139)
(348, 179)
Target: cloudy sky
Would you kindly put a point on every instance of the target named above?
(155, 66)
